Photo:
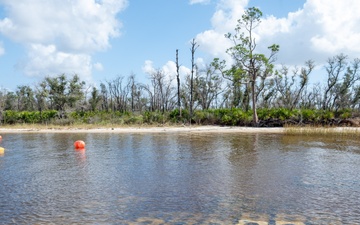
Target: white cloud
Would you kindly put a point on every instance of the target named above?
(98, 66)
(61, 35)
(223, 21)
(148, 67)
(2, 50)
(169, 69)
(192, 2)
(48, 59)
(227, 14)
(317, 31)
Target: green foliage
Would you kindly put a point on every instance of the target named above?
(12, 117)
(231, 117)
(131, 120)
(277, 113)
(327, 115)
(199, 116)
(227, 117)
(308, 115)
(174, 116)
(344, 113)
(48, 115)
(154, 117)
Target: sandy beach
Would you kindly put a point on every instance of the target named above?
(165, 129)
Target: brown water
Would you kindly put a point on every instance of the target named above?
(179, 179)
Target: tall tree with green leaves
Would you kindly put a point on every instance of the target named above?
(63, 91)
(248, 64)
(95, 98)
(26, 99)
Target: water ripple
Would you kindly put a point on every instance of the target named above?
(179, 179)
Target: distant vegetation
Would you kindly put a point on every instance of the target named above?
(249, 92)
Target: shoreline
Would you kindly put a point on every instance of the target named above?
(170, 129)
(165, 129)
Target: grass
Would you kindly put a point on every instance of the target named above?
(338, 131)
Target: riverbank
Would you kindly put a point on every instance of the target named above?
(177, 129)
(133, 129)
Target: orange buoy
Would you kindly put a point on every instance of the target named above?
(2, 151)
(79, 144)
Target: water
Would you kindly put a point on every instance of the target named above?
(179, 179)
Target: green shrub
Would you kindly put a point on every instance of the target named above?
(199, 116)
(327, 115)
(345, 113)
(153, 117)
(11, 117)
(308, 115)
(174, 115)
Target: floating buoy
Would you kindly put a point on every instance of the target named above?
(79, 144)
(2, 150)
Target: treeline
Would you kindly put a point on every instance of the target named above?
(286, 98)
(226, 117)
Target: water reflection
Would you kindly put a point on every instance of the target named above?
(179, 179)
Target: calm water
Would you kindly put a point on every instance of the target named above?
(179, 179)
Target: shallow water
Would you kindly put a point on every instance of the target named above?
(179, 178)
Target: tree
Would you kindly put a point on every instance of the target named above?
(160, 91)
(75, 90)
(118, 93)
(248, 65)
(25, 97)
(104, 97)
(290, 94)
(208, 87)
(132, 86)
(193, 48)
(94, 100)
(63, 92)
(346, 94)
(10, 101)
(41, 94)
(336, 65)
(178, 82)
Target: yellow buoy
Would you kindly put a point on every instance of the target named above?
(2, 150)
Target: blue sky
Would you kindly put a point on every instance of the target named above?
(100, 40)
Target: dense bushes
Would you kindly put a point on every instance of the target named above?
(12, 117)
(228, 117)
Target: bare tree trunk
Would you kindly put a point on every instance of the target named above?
(194, 46)
(255, 116)
(178, 82)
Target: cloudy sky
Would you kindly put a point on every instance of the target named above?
(103, 39)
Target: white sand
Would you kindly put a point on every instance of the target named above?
(195, 129)
(169, 129)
